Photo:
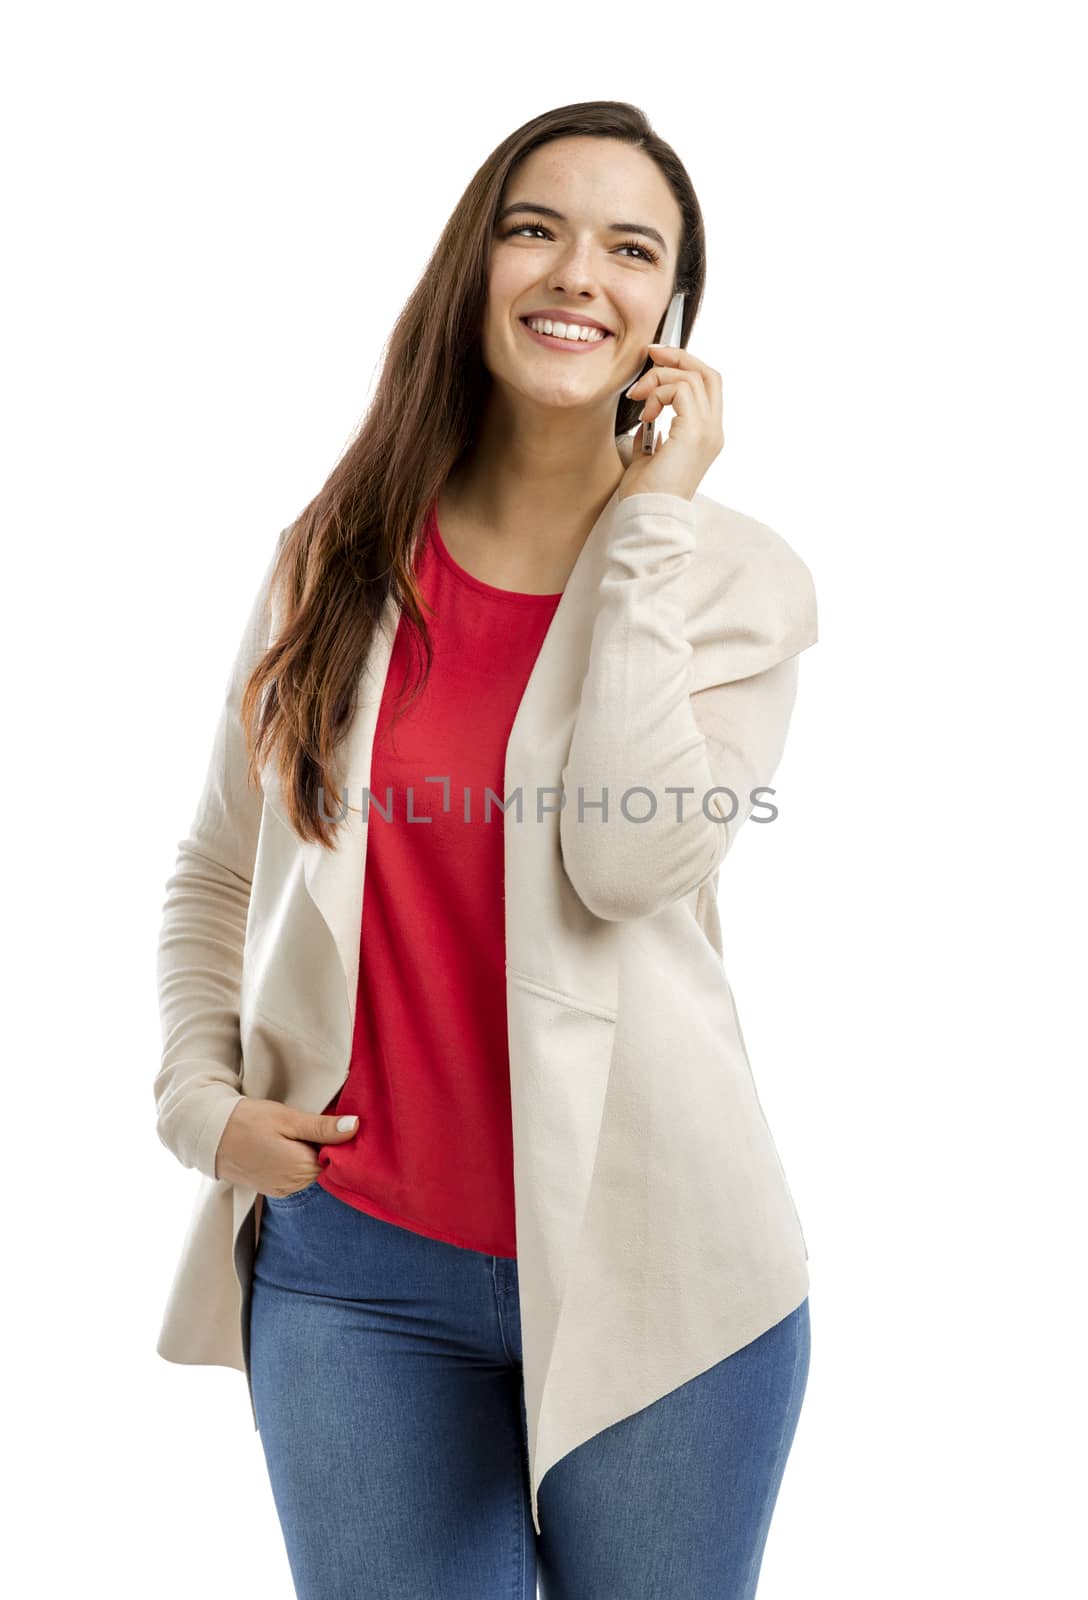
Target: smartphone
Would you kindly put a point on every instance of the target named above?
(671, 329)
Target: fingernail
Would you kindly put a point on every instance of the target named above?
(345, 1124)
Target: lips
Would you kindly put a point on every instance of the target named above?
(566, 317)
(568, 346)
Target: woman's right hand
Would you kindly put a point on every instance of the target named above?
(268, 1146)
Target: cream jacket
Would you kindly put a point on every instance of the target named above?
(656, 1232)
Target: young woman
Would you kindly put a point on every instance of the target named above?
(491, 1217)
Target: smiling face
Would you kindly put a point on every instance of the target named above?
(589, 227)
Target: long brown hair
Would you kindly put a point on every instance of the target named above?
(356, 539)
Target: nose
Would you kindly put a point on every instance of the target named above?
(573, 275)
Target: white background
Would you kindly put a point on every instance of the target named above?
(214, 215)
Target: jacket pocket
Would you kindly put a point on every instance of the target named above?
(589, 1008)
(560, 1061)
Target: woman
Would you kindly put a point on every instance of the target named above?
(491, 1217)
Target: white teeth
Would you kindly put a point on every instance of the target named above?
(574, 331)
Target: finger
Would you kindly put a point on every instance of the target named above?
(676, 356)
(687, 400)
(663, 377)
(672, 360)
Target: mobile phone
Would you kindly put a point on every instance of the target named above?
(671, 329)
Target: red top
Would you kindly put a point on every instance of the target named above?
(430, 1069)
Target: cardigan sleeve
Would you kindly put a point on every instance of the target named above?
(202, 932)
(684, 708)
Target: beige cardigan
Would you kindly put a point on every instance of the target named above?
(656, 1232)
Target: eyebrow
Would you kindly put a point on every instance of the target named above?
(613, 227)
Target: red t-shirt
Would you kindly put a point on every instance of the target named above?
(430, 1072)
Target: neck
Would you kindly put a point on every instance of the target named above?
(548, 480)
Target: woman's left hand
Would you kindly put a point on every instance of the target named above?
(696, 436)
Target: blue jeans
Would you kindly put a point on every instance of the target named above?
(386, 1372)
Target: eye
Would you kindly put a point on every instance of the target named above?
(541, 227)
